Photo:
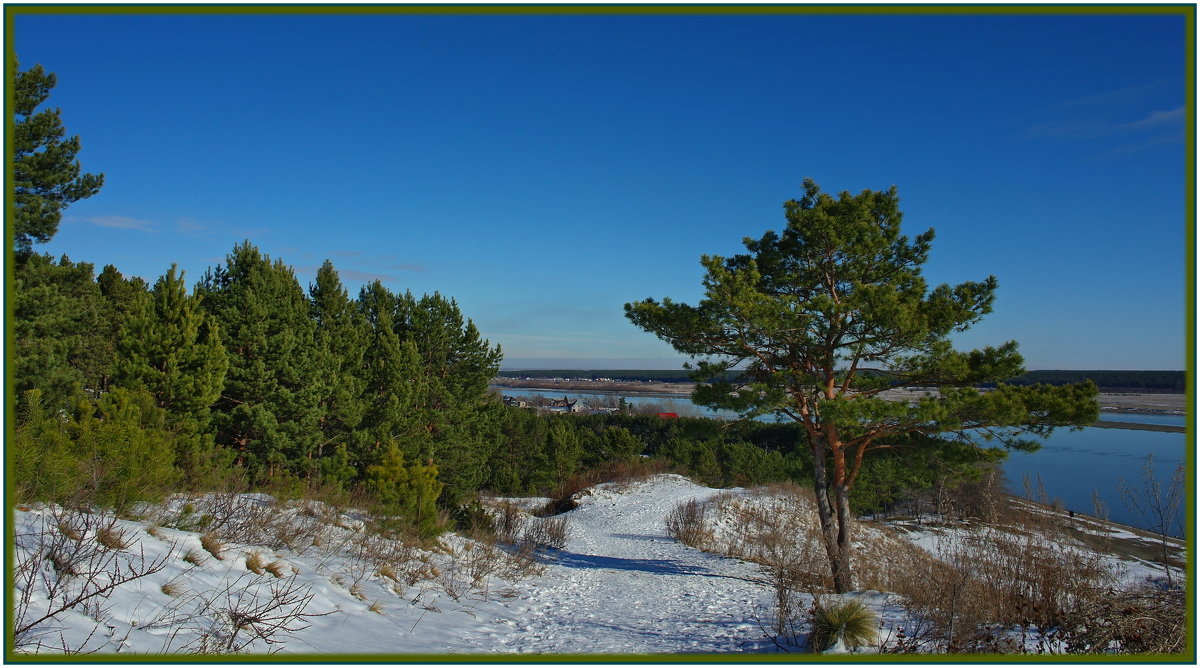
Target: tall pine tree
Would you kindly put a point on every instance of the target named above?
(392, 382)
(342, 337)
(456, 365)
(270, 408)
(46, 175)
(170, 346)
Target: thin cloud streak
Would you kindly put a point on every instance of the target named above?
(1091, 128)
(1128, 94)
(349, 274)
(122, 223)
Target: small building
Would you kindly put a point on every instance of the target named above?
(565, 405)
(668, 416)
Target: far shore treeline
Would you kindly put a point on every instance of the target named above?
(1106, 380)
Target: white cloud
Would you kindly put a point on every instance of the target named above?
(1156, 119)
(122, 223)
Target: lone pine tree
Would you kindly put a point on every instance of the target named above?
(46, 174)
(822, 318)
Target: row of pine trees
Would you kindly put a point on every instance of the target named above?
(252, 372)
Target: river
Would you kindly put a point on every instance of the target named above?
(1068, 466)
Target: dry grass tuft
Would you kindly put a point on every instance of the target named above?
(255, 563)
(389, 571)
(213, 545)
(113, 538)
(276, 568)
(173, 588)
(70, 531)
(194, 557)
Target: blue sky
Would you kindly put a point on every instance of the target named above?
(545, 170)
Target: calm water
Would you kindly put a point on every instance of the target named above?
(1071, 464)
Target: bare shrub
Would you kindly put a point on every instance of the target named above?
(1146, 620)
(244, 615)
(989, 579)
(508, 520)
(1157, 507)
(54, 572)
(776, 526)
(522, 563)
(688, 524)
(546, 533)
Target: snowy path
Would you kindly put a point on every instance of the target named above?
(622, 586)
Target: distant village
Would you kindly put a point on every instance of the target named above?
(548, 405)
(564, 405)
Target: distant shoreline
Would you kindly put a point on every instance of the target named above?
(1148, 403)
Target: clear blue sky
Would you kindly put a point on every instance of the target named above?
(545, 170)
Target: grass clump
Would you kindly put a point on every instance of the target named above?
(113, 538)
(194, 557)
(213, 545)
(255, 563)
(173, 588)
(850, 621)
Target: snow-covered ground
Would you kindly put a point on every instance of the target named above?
(620, 585)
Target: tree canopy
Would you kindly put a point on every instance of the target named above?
(825, 317)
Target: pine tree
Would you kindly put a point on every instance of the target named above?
(120, 294)
(342, 336)
(270, 408)
(563, 450)
(457, 364)
(171, 347)
(392, 378)
(61, 338)
(46, 174)
(823, 317)
(406, 491)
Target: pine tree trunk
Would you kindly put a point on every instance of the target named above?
(834, 532)
(843, 580)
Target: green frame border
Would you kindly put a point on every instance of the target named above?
(1187, 11)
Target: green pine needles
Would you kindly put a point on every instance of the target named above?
(849, 621)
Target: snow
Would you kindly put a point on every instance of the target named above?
(619, 586)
